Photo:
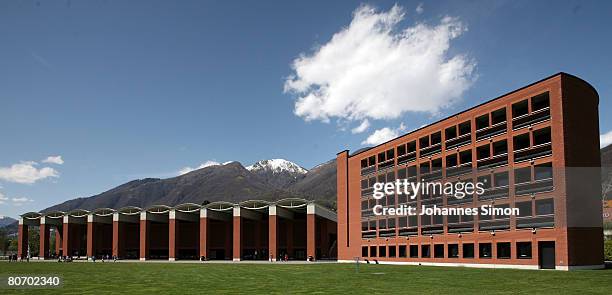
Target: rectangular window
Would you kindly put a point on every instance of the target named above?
(465, 128)
(392, 251)
(465, 156)
(524, 208)
(468, 250)
(520, 108)
(364, 184)
(391, 176)
(402, 251)
(503, 250)
(391, 223)
(543, 171)
(390, 154)
(411, 146)
(541, 136)
(364, 163)
(424, 168)
(438, 219)
(439, 251)
(523, 250)
(414, 251)
(403, 222)
(412, 171)
(364, 226)
(401, 199)
(364, 251)
(453, 251)
(484, 250)
(498, 116)
(382, 224)
(452, 219)
(436, 164)
(436, 138)
(545, 207)
(521, 142)
(401, 150)
(522, 175)
(425, 220)
(382, 157)
(450, 133)
(500, 147)
(373, 251)
(482, 122)
(401, 173)
(501, 179)
(423, 142)
(413, 221)
(539, 102)
(372, 161)
(483, 152)
(425, 251)
(451, 160)
(382, 251)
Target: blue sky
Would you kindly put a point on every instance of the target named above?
(129, 89)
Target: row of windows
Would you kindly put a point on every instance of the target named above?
(485, 250)
(523, 177)
(487, 126)
(521, 143)
(527, 210)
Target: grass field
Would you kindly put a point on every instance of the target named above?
(279, 278)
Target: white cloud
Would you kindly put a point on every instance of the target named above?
(54, 160)
(20, 201)
(382, 135)
(605, 139)
(375, 69)
(419, 8)
(188, 169)
(26, 172)
(365, 124)
(3, 198)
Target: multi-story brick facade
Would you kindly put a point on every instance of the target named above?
(535, 148)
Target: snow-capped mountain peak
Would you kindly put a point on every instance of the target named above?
(277, 166)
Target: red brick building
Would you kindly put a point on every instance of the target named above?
(537, 148)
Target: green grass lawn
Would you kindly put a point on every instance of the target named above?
(279, 278)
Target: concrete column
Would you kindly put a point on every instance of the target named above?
(90, 236)
(22, 240)
(237, 249)
(116, 234)
(203, 233)
(44, 239)
(311, 223)
(172, 236)
(272, 233)
(65, 239)
(144, 236)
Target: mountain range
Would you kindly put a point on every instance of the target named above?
(232, 182)
(5, 220)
